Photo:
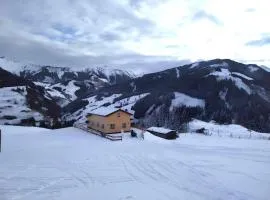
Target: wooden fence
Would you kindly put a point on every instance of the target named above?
(107, 136)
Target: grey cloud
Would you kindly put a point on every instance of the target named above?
(201, 14)
(155, 66)
(77, 18)
(47, 31)
(260, 42)
(45, 54)
(109, 36)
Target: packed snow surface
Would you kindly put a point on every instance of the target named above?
(69, 164)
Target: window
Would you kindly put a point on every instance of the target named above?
(118, 114)
(98, 124)
(102, 126)
(124, 125)
(112, 126)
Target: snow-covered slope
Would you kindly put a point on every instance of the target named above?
(225, 74)
(65, 84)
(113, 101)
(222, 90)
(185, 100)
(68, 164)
(231, 130)
(14, 108)
(11, 66)
(265, 68)
(24, 103)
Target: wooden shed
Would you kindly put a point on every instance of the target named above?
(163, 132)
(109, 120)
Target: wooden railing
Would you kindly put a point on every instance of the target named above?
(113, 137)
(95, 132)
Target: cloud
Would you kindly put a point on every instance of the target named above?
(141, 35)
(201, 14)
(109, 36)
(260, 42)
(250, 10)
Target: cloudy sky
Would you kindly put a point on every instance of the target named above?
(138, 35)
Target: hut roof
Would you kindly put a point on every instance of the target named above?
(160, 130)
(105, 111)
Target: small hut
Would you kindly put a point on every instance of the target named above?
(109, 120)
(163, 132)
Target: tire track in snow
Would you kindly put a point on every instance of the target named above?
(121, 158)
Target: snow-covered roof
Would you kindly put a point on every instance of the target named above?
(104, 111)
(160, 130)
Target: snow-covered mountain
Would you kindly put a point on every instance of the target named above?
(64, 84)
(24, 103)
(221, 90)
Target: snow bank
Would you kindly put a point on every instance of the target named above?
(231, 130)
(149, 137)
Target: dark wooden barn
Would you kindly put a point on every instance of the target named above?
(163, 132)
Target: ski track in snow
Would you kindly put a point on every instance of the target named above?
(70, 164)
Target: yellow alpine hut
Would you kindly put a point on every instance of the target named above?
(109, 120)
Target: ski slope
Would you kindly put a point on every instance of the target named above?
(69, 164)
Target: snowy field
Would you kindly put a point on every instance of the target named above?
(69, 164)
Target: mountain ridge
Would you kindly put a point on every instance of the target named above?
(222, 90)
(233, 93)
